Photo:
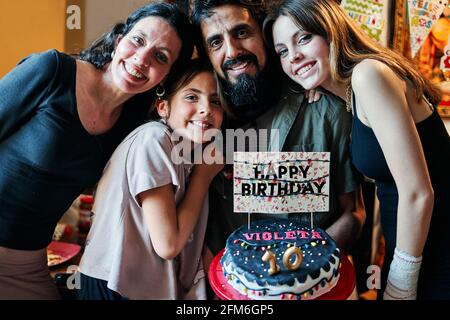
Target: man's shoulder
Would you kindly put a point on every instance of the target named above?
(331, 104)
(328, 103)
(328, 106)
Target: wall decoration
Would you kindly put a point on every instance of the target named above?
(371, 16)
(422, 16)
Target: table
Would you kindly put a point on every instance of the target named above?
(342, 290)
(75, 238)
(63, 271)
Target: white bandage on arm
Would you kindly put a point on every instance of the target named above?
(403, 277)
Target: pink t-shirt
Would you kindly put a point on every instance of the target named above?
(118, 247)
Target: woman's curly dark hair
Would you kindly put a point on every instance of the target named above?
(99, 53)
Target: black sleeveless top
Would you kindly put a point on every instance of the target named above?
(369, 159)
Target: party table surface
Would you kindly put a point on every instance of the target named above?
(342, 290)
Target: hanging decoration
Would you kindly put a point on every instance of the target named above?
(422, 16)
(445, 61)
(371, 16)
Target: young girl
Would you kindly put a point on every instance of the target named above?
(398, 138)
(60, 120)
(149, 222)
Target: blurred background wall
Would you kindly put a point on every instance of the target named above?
(28, 26)
(101, 15)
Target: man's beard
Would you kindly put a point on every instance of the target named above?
(249, 96)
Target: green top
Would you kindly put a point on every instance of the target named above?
(322, 126)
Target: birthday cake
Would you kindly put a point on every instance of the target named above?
(281, 259)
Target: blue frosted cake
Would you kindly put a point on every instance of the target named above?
(281, 259)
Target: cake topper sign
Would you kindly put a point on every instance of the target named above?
(281, 182)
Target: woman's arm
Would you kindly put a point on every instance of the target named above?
(169, 226)
(22, 89)
(345, 179)
(385, 106)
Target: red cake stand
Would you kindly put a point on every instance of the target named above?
(342, 290)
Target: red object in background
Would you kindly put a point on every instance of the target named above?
(342, 290)
(84, 221)
(86, 200)
(68, 231)
(65, 250)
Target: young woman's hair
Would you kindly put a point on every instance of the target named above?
(99, 53)
(349, 45)
(182, 77)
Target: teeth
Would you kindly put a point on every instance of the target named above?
(133, 71)
(239, 66)
(304, 69)
(201, 124)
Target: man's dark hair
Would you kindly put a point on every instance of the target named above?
(253, 95)
(203, 9)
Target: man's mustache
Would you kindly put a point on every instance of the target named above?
(240, 59)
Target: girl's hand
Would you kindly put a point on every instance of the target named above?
(208, 171)
(312, 95)
(212, 162)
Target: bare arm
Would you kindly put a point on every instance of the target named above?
(169, 227)
(385, 106)
(346, 229)
(22, 89)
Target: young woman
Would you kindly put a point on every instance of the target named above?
(149, 222)
(60, 120)
(398, 138)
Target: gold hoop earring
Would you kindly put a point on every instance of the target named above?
(112, 54)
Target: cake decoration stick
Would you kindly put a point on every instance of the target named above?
(312, 221)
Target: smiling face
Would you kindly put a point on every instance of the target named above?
(234, 43)
(195, 108)
(303, 56)
(143, 57)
